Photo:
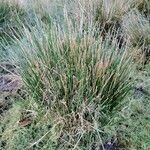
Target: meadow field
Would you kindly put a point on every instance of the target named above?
(75, 74)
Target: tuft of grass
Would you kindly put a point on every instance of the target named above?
(82, 79)
(77, 76)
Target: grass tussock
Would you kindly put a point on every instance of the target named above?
(82, 79)
(81, 87)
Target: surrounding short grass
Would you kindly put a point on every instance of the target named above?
(84, 83)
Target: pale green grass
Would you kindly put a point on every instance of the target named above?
(81, 86)
(82, 79)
